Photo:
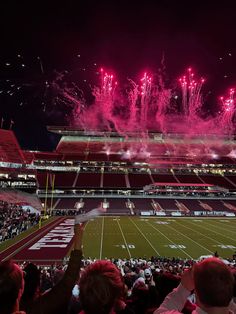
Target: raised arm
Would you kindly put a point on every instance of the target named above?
(59, 296)
(174, 302)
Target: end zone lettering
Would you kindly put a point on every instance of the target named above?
(59, 237)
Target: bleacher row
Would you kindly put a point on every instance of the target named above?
(138, 205)
(129, 180)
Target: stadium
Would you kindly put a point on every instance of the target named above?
(118, 157)
(162, 195)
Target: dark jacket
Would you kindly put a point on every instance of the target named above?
(57, 299)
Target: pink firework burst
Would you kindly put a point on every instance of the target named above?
(191, 93)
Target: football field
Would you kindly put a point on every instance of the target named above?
(127, 237)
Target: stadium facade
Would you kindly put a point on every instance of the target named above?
(131, 174)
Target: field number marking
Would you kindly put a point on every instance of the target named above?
(128, 246)
(176, 246)
(223, 246)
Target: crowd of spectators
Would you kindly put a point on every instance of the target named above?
(119, 286)
(14, 220)
(122, 286)
(147, 281)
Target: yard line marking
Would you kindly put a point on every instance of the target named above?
(124, 238)
(215, 232)
(102, 238)
(148, 223)
(220, 227)
(144, 236)
(205, 236)
(189, 238)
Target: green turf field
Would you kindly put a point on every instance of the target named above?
(127, 237)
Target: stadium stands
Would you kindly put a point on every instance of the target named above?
(65, 180)
(232, 179)
(10, 151)
(217, 180)
(139, 180)
(96, 166)
(114, 180)
(117, 205)
(164, 178)
(86, 180)
(91, 203)
(167, 204)
(65, 203)
(14, 220)
(191, 178)
(120, 206)
(42, 180)
(142, 205)
(84, 184)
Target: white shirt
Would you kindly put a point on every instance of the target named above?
(174, 303)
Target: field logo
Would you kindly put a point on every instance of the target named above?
(59, 237)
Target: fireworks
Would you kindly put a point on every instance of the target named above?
(191, 93)
(228, 110)
(149, 105)
(228, 103)
(146, 91)
(107, 88)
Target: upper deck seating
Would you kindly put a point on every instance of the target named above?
(88, 180)
(114, 180)
(139, 180)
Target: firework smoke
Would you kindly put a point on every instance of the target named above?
(149, 107)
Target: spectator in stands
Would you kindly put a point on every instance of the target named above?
(11, 287)
(57, 299)
(32, 283)
(144, 293)
(14, 220)
(212, 282)
(165, 283)
(102, 289)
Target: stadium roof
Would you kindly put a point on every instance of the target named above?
(145, 147)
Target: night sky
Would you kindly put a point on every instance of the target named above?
(42, 38)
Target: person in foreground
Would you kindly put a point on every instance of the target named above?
(102, 289)
(57, 299)
(11, 287)
(212, 282)
(54, 301)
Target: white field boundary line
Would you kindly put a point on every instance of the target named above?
(232, 222)
(102, 235)
(215, 232)
(221, 227)
(189, 239)
(31, 240)
(144, 237)
(148, 223)
(124, 238)
(205, 236)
